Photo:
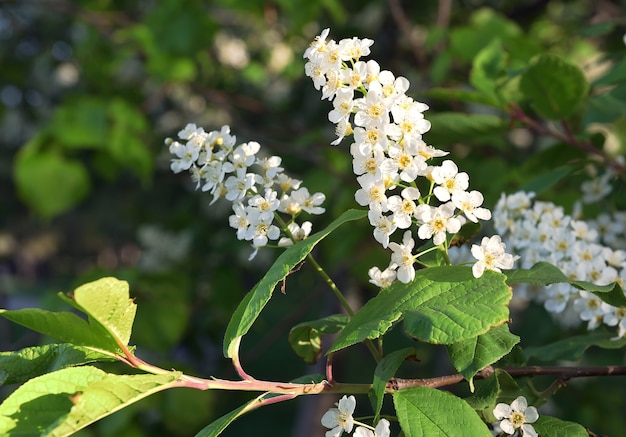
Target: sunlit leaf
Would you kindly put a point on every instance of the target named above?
(20, 366)
(428, 412)
(60, 403)
(441, 305)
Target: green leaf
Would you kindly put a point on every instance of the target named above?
(454, 127)
(385, 370)
(485, 24)
(458, 95)
(545, 181)
(109, 310)
(62, 402)
(254, 302)
(126, 139)
(63, 326)
(497, 388)
(216, 427)
(471, 355)
(573, 348)
(615, 75)
(428, 412)
(486, 394)
(547, 426)
(81, 123)
(555, 87)
(20, 366)
(487, 68)
(49, 182)
(544, 273)
(607, 107)
(306, 338)
(441, 305)
(107, 302)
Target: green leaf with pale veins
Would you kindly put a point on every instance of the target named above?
(60, 403)
(547, 426)
(554, 86)
(442, 305)
(110, 315)
(385, 370)
(107, 302)
(428, 412)
(306, 338)
(544, 273)
(471, 355)
(254, 302)
(20, 366)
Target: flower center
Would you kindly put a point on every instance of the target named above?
(517, 419)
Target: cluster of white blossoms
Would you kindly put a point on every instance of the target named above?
(224, 169)
(516, 417)
(389, 156)
(339, 419)
(582, 250)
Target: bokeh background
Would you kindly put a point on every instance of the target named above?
(89, 90)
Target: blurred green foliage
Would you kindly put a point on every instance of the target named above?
(89, 89)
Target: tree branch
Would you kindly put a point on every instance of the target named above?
(561, 372)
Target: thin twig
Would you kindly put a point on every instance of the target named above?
(568, 138)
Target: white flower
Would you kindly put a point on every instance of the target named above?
(298, 232)
(516, 416)
(449, 179)
(436, 222)
(491, 255)
(404, 207)
(266, 205)
(597, 188)
(318, 44)
(385, 278)
(383, 225)
(403, 258)
(381, 430)
(239, 220)
(186, 155)
(309, 203)
(340, 419)
(469, 203)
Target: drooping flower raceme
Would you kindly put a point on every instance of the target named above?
(224, 169)
(339, 419)
(517, 416)
(370, 104)
(582, 250)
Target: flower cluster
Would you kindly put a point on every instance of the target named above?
(223, 168)
(339, 419)
(517, 416)
(389, 156)
(582, 250)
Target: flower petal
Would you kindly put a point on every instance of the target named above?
(502, 410)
